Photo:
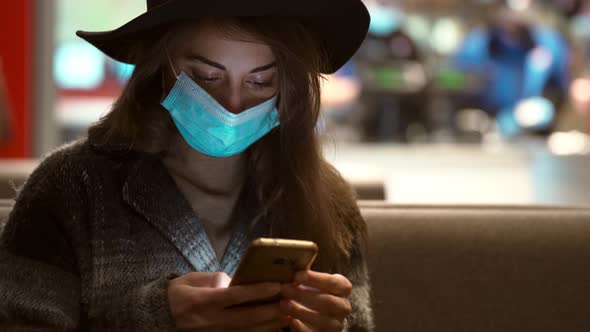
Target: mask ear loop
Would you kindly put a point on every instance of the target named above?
(173, 71)
(171, 65)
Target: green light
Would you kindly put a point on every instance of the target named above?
(450, 79)
(389, 78)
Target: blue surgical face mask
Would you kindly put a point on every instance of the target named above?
(211, 129)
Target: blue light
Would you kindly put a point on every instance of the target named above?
(78, 66)
(123, 71)
(384, 20)
(507, 124)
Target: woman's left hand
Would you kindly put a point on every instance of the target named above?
(317, 302)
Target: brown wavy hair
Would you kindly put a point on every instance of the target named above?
(293, 186)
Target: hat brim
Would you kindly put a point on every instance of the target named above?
(341, 29)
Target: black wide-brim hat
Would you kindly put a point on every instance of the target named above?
(341, 25)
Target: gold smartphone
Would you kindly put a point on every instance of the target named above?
(274, 260)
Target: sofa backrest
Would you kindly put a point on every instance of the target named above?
(373, 189)
(13, 174)
(479, 268)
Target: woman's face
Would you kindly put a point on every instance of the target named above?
(238, 71)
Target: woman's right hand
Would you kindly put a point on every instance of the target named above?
(198, 302)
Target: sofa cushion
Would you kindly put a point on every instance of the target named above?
(479, 268)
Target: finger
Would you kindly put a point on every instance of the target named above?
(334, 284)
(204, 279)
(246, 293)
(326, 304)
(311, 318)
(298, 326)
(222, 280)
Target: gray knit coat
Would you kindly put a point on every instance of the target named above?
(96, 234)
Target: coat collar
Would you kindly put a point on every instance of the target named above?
(150, 191)
(114, 145)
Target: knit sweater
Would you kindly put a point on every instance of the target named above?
(96, 234)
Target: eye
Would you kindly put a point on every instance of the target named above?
(209, 79)
(206, 77)
(259, 84)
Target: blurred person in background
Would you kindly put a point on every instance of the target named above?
(393, 94)
(340, 93)
(570, 8)
(579, 23)
(521, 61)
(211, 144)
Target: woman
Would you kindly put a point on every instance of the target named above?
(210, 145)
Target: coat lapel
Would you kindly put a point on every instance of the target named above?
(239, 244)
(247, 229)
(153, 194)
(151, 191)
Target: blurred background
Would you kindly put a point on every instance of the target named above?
(447, 101)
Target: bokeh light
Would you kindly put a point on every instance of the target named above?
(78, 66)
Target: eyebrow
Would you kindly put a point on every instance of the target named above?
(221, 67)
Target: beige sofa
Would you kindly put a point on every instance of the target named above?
(477, 268)
(13, 174)
(368, 189)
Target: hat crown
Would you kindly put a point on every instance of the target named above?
(155, 3)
